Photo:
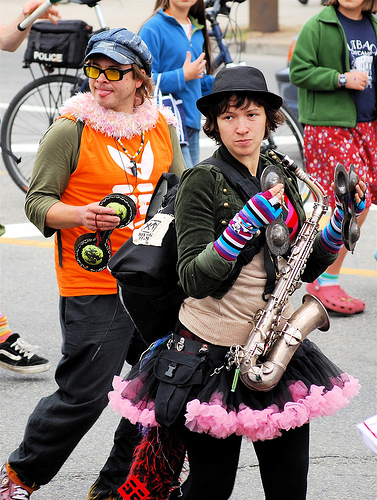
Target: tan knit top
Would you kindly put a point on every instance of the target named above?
(229, 320)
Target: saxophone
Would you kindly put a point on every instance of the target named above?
(270, 346)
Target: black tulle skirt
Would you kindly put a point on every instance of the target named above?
(168, 384)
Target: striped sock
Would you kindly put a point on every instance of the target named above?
(327, 279)
(5, 330)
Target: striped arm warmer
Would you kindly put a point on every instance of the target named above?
(331, 235)
(259, 211)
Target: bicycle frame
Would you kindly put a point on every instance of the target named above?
(49, 3)
(224, 56)
(37, 105)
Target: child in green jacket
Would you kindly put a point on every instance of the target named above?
(334, 66)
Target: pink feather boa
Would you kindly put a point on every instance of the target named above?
(256, 425)
(111, 123)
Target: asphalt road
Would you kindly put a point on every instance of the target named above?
(341, 467)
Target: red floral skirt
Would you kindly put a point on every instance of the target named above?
(324, 147)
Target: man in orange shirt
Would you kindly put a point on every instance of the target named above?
(111, 140)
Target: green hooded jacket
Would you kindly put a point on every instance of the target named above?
(320, 54)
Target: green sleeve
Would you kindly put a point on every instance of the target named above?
(305, 70)
(178, 165)
(200, 268)
(319, 260)
(56, 159)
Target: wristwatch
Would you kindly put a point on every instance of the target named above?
(342, 79)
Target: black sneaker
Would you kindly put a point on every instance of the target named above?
(19, 356)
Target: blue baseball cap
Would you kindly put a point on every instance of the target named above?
(122, 46)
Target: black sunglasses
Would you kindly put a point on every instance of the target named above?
(111, 74)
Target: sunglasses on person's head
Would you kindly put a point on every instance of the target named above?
(111, 74)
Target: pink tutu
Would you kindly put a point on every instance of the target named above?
(311, 387)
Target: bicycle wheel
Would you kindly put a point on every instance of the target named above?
(289, 139)
(32, 110)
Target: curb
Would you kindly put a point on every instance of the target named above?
(276, 43)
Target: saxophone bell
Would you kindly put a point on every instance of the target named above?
(263, 376)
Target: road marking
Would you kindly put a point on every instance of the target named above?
(23, 230)
(26, 243)
(16, 232)
(358, 272)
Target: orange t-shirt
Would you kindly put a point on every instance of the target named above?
(104, 168)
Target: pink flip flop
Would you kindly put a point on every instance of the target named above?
(335, 298)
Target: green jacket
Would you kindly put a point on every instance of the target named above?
(204, 205)
(320, 54)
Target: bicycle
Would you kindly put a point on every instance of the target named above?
(231, 32)
(36, 106)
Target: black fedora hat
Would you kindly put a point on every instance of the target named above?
(238, 79)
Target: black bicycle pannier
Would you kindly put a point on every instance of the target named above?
(59, 45)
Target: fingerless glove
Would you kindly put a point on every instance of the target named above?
(359, 207)
(260, 210)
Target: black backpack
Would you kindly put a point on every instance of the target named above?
(145, 265)
(146, 271)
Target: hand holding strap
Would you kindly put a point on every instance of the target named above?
(345, 192)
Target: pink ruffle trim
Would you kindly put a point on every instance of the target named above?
(265, 424)
(141, 413)
(256, 425)
(111, 123)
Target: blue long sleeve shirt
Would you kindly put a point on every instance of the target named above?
(168, 43)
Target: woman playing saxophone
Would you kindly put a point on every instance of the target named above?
(189, 384)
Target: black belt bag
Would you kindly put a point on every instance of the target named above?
(179, 369)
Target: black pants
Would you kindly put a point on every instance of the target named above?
(115, 471)
(96, 333)
(283, 463)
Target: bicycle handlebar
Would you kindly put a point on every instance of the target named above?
(34, 15)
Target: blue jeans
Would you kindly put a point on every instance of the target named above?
(191, 152)
(96, 333)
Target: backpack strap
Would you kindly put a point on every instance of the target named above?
(163, 194)
(244, 186)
